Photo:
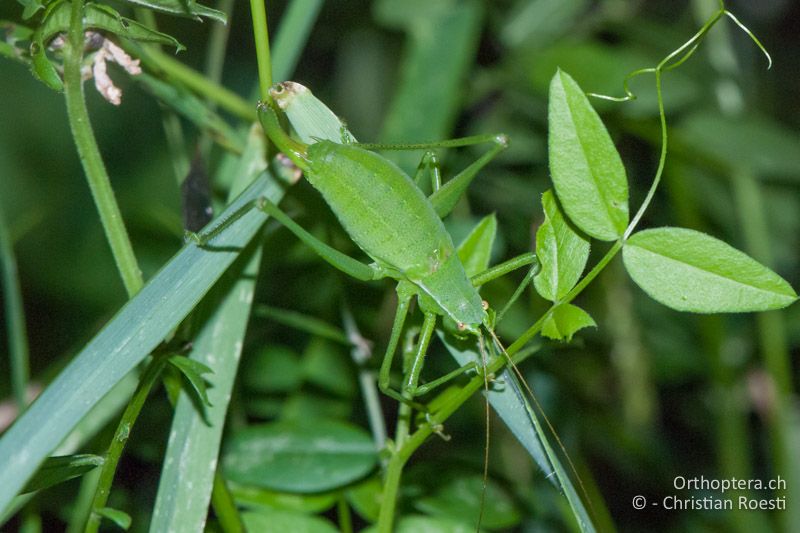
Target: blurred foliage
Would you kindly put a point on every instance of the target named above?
(648, 395)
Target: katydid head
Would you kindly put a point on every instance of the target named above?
(283, 92)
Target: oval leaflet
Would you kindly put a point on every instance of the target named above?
(690, 271)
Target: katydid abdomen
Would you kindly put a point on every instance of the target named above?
(381, 209)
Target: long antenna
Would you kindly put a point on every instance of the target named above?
(487, 428)
(539, 408)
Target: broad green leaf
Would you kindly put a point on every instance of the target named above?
(299, 456)
(58, 469)
(131, 335)
(564, 321)
(193, 372)
(256, 498)
(461, 496)
(690, 271)
(308, 404)
(279, 520)
(475, 250)
(429, 524)
(586, 169)
(120, 518)
(562, 252)
(99, 17)
(181, 8)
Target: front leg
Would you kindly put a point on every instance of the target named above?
(350, 266)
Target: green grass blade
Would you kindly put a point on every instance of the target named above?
(187, 479)
(186, 482)
(136, 329)
(510, 403)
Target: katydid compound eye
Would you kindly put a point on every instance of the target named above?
(485, 305)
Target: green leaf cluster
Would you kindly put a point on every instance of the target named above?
(684, 269)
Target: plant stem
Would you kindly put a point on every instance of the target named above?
(91, 160)
(345, 518)
(225, 506)
(149, 378)
(260, 33)
(391, 486)
(531, 332)
(394, 468)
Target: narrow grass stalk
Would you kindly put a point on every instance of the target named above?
(91, 160)
(345, 518)
(361, 352)
(218, 44)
